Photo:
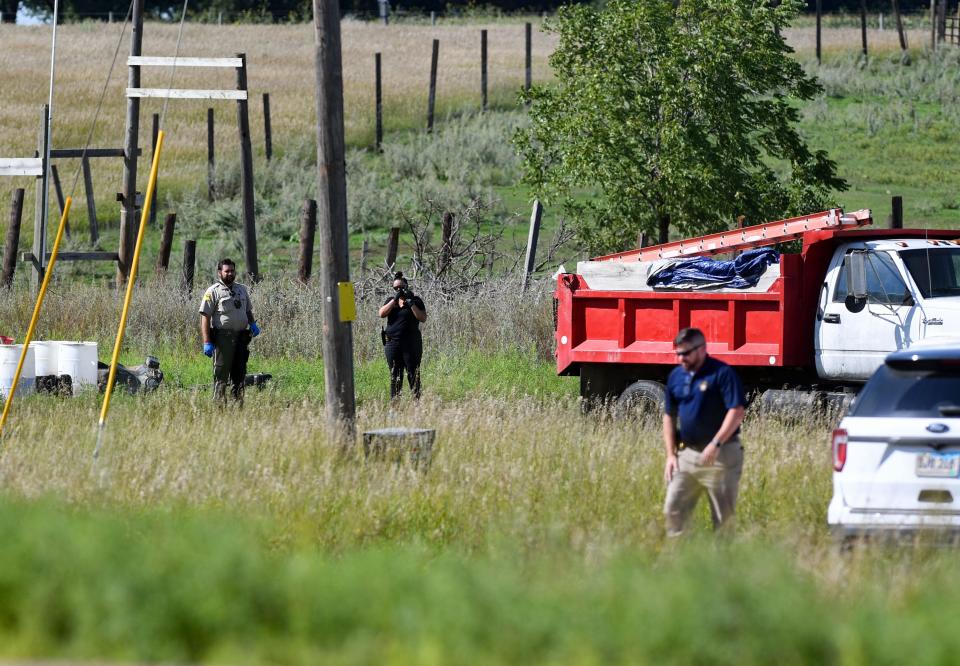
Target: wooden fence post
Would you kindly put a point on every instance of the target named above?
(393, 243)
(13, 239)
(483, 70)
(246, 176)
(211, 165)
(942, 21)
(308, 231)
(532, 238)
(91, 201)
(364, 254)
(432, 98)
(896, 217)
(819, 35)
(129, 219)
(933, 24)
(58, 188)
(528, 56)
(267, 132)
(900, 33)
(189, 263)
(379, 98)
(40, 209)
(166, 243)
(863, 26)
(446, 238)
(155, 132)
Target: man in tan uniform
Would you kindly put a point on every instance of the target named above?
(226, 327)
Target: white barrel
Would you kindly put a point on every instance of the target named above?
(9, 358)
(45, 357)
(79, 360)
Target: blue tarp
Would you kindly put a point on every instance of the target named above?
(706, 273)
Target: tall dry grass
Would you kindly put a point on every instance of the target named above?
(539, 475)
(490, 318)
(280, 60)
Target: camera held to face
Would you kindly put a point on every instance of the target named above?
(406, 295)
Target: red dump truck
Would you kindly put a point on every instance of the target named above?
(812, 330)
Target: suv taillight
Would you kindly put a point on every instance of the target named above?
(839, 441)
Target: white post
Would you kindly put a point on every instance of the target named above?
(881, 21)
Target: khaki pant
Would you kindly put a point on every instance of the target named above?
(720, 481)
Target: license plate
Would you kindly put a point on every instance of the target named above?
(938, 464)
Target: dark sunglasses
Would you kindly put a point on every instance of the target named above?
(398, 288)
(688, 351)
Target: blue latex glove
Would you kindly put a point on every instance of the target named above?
(254, 330)
(208, 349)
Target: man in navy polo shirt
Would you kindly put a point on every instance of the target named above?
(703, 411)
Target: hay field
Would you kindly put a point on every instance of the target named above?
(280, 62)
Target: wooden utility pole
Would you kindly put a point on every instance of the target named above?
(340, 403)
(246, 176)
(128, 202)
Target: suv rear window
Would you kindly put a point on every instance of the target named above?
(908, 393)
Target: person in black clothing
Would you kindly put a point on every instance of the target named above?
(403, 345)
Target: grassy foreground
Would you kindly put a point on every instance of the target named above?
(174, 586)
(534, 537)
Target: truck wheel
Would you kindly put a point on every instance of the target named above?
(641, 399)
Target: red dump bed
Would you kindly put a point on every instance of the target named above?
(769, 328)
(639, 326)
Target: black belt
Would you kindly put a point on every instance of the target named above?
(700, 447)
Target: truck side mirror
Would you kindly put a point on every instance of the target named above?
(856, 267)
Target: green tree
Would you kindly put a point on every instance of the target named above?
(674, 114)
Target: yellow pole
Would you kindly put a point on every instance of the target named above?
(131, 279)
(36, 310)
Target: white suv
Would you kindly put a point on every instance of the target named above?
(896, 455)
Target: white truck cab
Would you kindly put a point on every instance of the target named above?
(880, 296)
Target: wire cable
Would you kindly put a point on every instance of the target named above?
(103, 94)
(173, 70)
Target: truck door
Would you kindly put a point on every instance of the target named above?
(853, 337)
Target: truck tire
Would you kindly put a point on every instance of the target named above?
(641, 399)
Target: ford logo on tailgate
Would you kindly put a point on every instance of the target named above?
(938, 428)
